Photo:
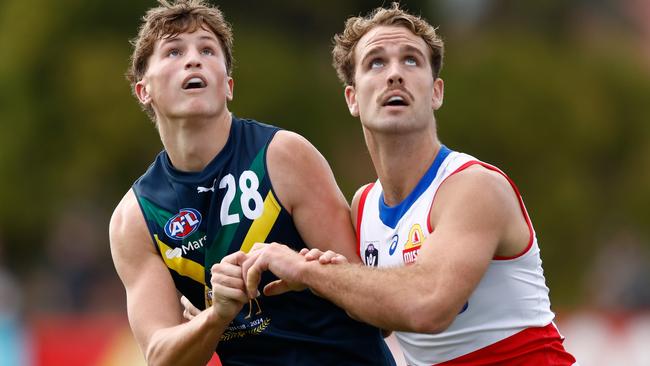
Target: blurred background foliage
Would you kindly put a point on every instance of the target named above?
(554, 92)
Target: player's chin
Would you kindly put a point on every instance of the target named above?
(195, 108)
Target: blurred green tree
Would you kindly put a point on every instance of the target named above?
(566, 118)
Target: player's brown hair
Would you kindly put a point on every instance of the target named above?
(170, 19)
(357, 27)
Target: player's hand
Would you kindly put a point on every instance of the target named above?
(281, 260)
(328, 257)
(189, 311)
(228, 286)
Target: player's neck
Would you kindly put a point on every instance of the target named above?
(193, 143)
(401, 161)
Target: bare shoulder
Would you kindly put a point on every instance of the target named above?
(484, 200)
(289, 148)
(123, 212)
(127, 219)
(477, 181)
(129, 236)
(475, 190)
(296, 167)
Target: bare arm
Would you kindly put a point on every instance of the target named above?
(473, 216)
(306, 186)
(152, 302)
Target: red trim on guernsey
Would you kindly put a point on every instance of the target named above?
(362, 203)
(532, 346)
(514, 187)
(214, 361)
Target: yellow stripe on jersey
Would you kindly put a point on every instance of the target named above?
(261, 227)
(182, 266)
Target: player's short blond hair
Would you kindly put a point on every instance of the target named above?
(170, 19)
(357, 27)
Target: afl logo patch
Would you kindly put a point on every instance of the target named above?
(183, 224)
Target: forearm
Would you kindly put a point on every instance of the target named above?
(384, 298)
(191, 343)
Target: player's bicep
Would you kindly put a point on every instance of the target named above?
(152, 301)
(305, 183)
(468, 220)
(323, 218)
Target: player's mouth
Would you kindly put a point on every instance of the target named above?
(395, 101)
(194, 82)
(395, 98)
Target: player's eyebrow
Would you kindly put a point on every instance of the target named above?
(374, 52)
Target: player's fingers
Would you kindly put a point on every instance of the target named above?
(227, 281)
(339, 259)
(253, 278)
(190, 309)
(222, 294)
(227, 269)
(230, 265)
(327, 257)
(236, 258)
(185, 302)
(276, 287)
(304, 251)
(252, 258)
(313, 254)
(252, 272)
(187, 315)
(257, 246)
(226, 274)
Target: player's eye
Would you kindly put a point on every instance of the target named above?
(376, 63)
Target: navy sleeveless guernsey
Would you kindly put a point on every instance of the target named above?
(195, 219)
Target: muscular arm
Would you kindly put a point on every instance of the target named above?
(152, 302)
(475, 216)
(306, 186)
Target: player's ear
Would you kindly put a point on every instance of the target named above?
(438, 94)
(351, 100)
(230, 90)
(142, 92)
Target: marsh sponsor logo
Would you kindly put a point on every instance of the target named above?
(173, 253)
(185, 248)
(193, 245)
(412, 246)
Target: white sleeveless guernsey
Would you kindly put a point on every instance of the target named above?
(511, 297)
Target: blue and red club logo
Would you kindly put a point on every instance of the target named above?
(183, 224)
